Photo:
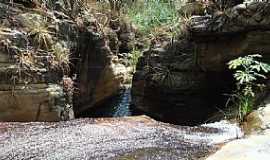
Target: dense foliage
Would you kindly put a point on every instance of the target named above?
(153, 13)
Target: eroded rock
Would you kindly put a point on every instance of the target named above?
(113, 138)
(47, 43)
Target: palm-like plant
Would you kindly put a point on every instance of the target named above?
(41, 36)
(247, 70)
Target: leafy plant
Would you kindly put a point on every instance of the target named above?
(247, 70)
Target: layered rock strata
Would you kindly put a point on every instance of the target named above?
(55, 58)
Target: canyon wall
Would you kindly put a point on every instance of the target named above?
(57, 59)
(184, 81)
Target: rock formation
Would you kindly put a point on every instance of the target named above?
(185, 80)
(241, 30)
(111, 138)
(255, 145)
(31, 77)
(56, 57)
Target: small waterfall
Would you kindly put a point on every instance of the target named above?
(117, 106)
(121, 106)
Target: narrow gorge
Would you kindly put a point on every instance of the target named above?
(84, 80)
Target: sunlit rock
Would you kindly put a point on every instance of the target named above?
(112, 138)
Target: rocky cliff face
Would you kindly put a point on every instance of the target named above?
(184, 81)
(31, 77)
(103, 66)
(101, 69)
(48, 52)
(241, 30)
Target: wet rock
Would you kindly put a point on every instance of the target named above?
(117, 138)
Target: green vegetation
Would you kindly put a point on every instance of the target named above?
(61, 57)
(152, 14)
(247, 71)
(41, 36)
(135, 55)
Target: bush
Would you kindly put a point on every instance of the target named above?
(247, 71)
(152, 13)
(135, 55)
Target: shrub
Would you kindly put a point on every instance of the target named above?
(135, 55)
(61, 57)
(247, 71)
(152, 13)
(41, 37)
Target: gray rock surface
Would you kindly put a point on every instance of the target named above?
(119, 139)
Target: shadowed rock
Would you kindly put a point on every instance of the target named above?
(191, 74)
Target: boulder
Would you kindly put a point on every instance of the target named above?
(37, 102)
(253, 147)
(259, 119)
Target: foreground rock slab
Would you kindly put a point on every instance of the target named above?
(253, 147)
(256, 144)
(111, 138)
